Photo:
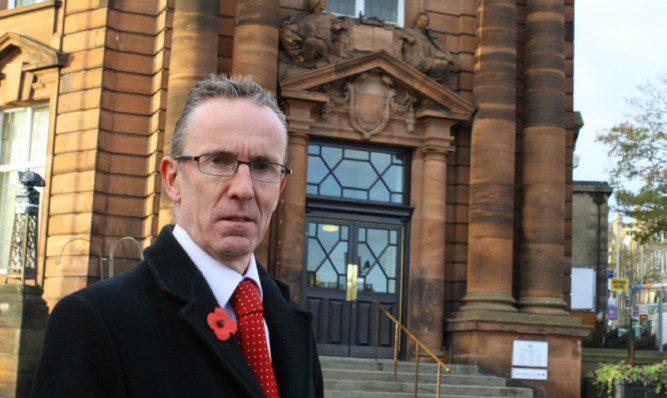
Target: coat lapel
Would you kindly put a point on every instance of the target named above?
(228, 352)
(291, 338)
(180, 278)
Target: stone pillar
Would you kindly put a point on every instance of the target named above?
(542, 258)
(292, 209)
(194, 55)
(23, 316)
(491, 221)
(256, 41)
(430, 283)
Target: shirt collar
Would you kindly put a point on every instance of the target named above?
(221, 279)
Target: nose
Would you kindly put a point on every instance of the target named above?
(241, 183)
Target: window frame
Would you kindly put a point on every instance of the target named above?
(28, 128)
(11, 4)
(359, 6)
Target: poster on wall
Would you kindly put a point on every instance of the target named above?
(582, 292)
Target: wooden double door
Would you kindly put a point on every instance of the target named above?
(348, 265)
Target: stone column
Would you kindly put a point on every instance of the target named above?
(292, 209)
(491, 221)
(430, 282)
(543, 173)
(194, 55)
(256, 41)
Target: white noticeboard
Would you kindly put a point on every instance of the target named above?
(582, 289)
(534, 354)
(530, 359)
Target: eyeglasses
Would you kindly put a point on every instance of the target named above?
(225, 165)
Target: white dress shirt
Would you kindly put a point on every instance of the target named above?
(221, 279)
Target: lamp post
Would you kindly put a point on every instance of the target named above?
(24, 311)
(23, 251)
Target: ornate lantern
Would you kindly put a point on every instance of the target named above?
(23, 251)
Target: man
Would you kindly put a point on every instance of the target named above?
(170, 326)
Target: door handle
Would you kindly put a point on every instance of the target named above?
(351, 292)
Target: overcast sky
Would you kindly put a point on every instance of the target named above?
(618, 45)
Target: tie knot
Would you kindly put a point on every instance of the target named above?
(245, 299)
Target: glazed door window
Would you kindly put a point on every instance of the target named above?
(337, 251)
(387, 10)
(23, 147)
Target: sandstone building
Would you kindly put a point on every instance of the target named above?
(434, 164)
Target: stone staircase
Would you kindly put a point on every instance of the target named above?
(367, 378)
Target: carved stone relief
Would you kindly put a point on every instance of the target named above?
(316, 38)
(371, 100)
(422, 50)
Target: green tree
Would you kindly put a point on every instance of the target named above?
(639, 147)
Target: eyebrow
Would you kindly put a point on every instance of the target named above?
(261, 158)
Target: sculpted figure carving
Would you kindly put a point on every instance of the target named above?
(422, 50)
(314, 38)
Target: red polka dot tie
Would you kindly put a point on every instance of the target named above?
(251, 335)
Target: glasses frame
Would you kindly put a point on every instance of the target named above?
(236, 167)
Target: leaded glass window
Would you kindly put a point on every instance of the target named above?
(378, 254)
(356, 173)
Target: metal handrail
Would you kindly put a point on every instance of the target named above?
(418, 342)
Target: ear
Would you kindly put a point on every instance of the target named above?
(170, 178)
(282, 184)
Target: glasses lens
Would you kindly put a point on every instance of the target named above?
(261, 170)
(218, 164)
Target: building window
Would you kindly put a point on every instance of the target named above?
(356, 173)
(23, 147)
(20, 3)
(656, 261)
(387, 10)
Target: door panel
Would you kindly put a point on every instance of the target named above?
(348, 265)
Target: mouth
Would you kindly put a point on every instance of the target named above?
(238, 219)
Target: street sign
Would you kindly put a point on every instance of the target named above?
(619, 284)
(611, 313)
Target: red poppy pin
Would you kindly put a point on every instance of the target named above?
(221, 323)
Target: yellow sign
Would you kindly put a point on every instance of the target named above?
(619, 284)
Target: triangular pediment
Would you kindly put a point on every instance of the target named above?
(403, 75)
(35, 53)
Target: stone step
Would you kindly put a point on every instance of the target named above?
(367, 394)
(388, 365)
(375, 386)
(367, 378)
(409, 376)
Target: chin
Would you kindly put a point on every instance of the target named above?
(229, 248)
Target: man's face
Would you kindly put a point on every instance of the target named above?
(226, 216)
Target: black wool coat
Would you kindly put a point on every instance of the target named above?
(144, 334)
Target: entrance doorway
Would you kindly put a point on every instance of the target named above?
(348, 265)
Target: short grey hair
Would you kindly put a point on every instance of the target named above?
(221, 86)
